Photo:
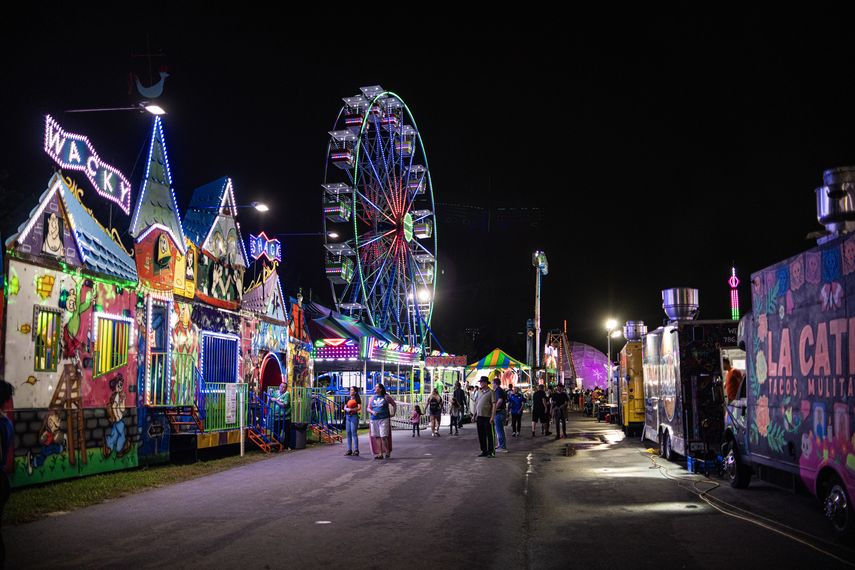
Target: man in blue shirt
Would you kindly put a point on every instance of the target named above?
(501, 410)
(516, 402)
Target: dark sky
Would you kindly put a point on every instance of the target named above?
(660, 151)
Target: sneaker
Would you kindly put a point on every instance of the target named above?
(356, 453)
(378, 457)
(483, 454)
(349, 452)
(502, 450)
(414, 435)
(437, 434)
(388, 456)
(557, 437)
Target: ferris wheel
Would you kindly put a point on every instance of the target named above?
(380, 217)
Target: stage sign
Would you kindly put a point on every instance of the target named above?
(75, 152)
(261, 245)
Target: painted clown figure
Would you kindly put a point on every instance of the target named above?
(185, 344)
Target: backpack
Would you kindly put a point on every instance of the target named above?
(434, 405)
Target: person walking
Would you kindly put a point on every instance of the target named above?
(485, 413)
(7, 437)
(381, 408)
(458, 397)
(538, 411)
(516, 401)
(501, 412)
(351, 410)
(416, 421)
(434, 407)
(559, 402)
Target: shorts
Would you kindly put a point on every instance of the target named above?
(435, 414)
(539, 416)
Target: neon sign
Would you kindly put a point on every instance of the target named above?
(336, 349)
(75, 152)
(734, 294)
(261, 245)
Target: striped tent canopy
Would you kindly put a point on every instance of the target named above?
(497, 358)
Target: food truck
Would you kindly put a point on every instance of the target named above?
(684, 402)
(794, 411)
(632, 379)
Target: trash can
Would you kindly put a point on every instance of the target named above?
(298, 435)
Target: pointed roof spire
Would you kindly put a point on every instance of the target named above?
(156, 205)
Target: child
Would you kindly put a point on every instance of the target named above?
(456, 417)
(416, 419)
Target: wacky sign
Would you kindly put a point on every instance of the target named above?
(75, 152)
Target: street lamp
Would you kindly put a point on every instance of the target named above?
(612, 331)
(257, 206)
(143, 107)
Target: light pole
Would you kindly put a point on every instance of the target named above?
(611, 328)
(541, 267)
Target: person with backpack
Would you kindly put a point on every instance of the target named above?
(434, 408)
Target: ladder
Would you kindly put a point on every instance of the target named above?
(67, 397)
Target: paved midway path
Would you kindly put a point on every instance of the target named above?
(606, 504)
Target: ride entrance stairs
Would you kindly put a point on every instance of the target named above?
(265, 424)
(326, 419)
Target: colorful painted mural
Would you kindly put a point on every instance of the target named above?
(70, 324)
(802, 361)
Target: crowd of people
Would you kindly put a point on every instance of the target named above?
(492, 409)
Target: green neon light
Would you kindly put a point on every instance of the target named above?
(408, 227)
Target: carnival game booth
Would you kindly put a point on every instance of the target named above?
(498, 363)
(350, 353)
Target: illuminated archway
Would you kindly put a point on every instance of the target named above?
(272, 371)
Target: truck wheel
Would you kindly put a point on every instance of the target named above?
(839, 509)
(665, 451)
(737, 472)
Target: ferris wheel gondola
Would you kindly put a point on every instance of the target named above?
(378, 200)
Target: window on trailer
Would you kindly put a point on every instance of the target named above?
(112, 340)
(46, 331)
(219, 362)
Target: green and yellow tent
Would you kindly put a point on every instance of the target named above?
(496, 359)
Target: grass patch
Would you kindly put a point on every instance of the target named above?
(33, 503)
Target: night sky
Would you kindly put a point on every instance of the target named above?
(658, 152)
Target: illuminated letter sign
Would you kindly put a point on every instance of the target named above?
(75, 152)
(261, 245)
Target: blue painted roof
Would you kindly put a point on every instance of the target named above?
(97, 249)
(156, 202)
(203, 211)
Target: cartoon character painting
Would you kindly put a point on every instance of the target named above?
(185, 343)
(75, 308)
(52, 243)
(52, 441)
(117, 440)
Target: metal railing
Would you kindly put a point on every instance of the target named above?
(267, 417)
(214, 405)
(175, 387)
